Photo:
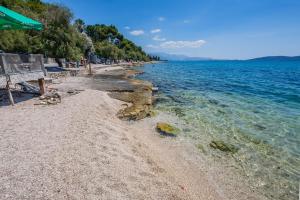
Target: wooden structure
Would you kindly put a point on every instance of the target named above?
(12, 66)
(17, 68)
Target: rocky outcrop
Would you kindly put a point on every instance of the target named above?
(135, 112)
(121, 85)
(167, 129)
(139, 97)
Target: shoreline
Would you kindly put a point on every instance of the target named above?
(81, 141)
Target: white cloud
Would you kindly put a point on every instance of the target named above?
(179, 44)
(127, 27)
(182, 44)
(155, 30)
(152, 46)
(161, 19)
(157, 38)
(137, 32)
(186, 21)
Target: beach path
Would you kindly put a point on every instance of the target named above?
(79, 149)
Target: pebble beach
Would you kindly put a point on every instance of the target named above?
(80, 148)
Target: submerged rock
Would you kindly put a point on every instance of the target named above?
(201, 148)
(167, 129)
(213, 101)
(179, 111)
(221, 112)
(140, 99)
(259, 127)
(222, 146)
(249, 138)
(153, 113)
(135, 112)
(224, 105)
(160, 99)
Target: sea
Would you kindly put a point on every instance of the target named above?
(252, 105)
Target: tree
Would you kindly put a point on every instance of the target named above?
(79, 25)
(126, 49)
(61, 40)
(107, 51)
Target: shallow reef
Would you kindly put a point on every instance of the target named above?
(167, 129)
(140, 97)
(222, 146)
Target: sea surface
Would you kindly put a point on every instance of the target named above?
(253, 105)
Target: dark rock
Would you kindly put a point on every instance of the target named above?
(186, 130)
(259, 127)
(201, 148)
(179, 111)
(221, 112)
(224, 105)
(213, 101)
(222, 146)
(167, 129)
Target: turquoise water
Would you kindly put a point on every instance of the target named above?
(252, 105)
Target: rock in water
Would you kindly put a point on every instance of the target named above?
(179, 112)
(201, 148)
(167, 129)
(213, 101)
(259, 127)
(222, 146)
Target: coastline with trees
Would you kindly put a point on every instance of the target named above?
(64, 38)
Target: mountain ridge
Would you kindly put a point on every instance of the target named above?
(276, 58)
(181, 57)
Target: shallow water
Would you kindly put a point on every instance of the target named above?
(254, 106)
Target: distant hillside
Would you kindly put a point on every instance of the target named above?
(277, 58)
(178, 57)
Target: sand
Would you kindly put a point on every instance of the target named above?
(79, 149)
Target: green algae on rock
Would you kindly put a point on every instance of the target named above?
(167, 129)
(153, 113)
(141, 104)
(139, 96)
(222, 146)
(201, 148)
(135, 112)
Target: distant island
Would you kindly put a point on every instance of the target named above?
(277, 58)
(179, 57)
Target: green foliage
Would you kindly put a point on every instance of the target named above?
(157, 58)
(101, 32)
(61, 39)
(13, 41)
(79, 25)
(111, 44)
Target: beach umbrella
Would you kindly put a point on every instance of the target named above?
(11, 20)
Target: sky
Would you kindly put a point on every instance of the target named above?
(222, 29)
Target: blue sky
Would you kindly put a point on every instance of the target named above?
(231, 29)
